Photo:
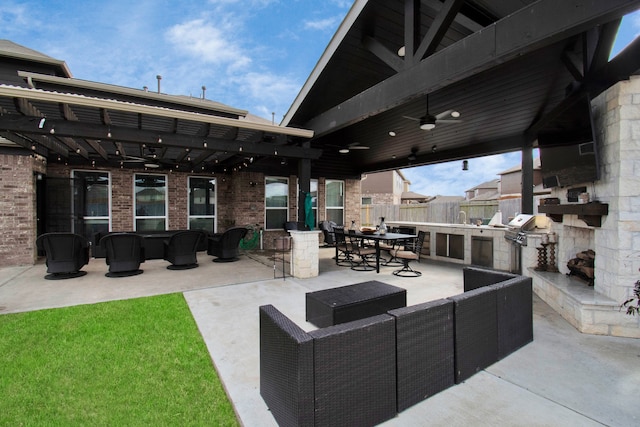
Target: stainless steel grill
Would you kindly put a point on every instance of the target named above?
(517, 235)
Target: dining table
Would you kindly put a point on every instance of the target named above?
(377, 237)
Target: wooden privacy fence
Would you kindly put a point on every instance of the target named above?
(441, 212)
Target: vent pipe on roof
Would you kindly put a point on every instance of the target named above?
(145, 88)
(273, 118)
(159, 77)
(204, 91)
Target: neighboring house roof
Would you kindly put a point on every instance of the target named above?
(487, 195)
(518, 168)
(410, 195)
(14, 50)
(493, 184)
(446, 199)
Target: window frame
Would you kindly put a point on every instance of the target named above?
(278, 208)
(166, 201)
(328, 207)
(109, 216)
(215, 202)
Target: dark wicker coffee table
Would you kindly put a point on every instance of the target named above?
(346, 303)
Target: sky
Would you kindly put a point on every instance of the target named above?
(250, 54)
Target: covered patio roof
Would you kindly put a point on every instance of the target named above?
(80, 122)
(512, 69)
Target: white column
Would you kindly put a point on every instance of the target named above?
(305, 256)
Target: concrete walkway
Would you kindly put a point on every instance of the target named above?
(563, 378)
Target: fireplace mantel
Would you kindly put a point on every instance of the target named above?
(590, 213)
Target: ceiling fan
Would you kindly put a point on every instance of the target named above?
(149, 157)
(352, 146)
(429, 121)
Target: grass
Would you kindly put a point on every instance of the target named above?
(133, 362)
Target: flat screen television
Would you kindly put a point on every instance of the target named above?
(568, 148)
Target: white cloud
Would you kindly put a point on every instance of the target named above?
(323, 24)
(211, 43)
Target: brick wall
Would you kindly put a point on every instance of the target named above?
(240, 201)
(17, 209)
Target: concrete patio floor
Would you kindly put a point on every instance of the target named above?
(562, 378)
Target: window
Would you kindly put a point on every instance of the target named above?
(276, 202)
(92, 202)
(335, 201)
(202, 204)
(366, 200)
(150, 202)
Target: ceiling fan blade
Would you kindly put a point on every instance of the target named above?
(359, 147)
(449, 121)
(449, 114)
(411, 118)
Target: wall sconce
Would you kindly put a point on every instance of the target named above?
(465, 165)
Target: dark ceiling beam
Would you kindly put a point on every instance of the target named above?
(29, 125)
(74, 146)
(438, 29)
(67, 112)
(619, 68)
(467, 23)
(607, 36)
(411, 31)
(540, 24)
(384, 54)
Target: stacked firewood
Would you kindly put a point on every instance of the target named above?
(582, 266)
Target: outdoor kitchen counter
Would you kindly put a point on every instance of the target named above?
(460, 243)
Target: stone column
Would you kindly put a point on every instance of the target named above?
(305, 253)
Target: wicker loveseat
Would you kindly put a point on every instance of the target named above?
(363, 372)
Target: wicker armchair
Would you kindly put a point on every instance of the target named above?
(66, 254)
(226, 246)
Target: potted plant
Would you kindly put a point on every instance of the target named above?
(633, 304)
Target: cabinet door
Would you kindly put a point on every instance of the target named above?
(456, 246)
(482, 251)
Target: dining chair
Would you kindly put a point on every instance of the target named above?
(343, 248)
(406, 256)
(365, 253)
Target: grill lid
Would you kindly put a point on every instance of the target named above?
(523, 222)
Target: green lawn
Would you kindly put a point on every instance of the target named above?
(133, 362)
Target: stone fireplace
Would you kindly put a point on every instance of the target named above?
(614, 234)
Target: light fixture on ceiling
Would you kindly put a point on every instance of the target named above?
(427, 122)
(401, 51)
(455, 114)
(433, 149)
(465, 165)
(392, 133)
(343, 150)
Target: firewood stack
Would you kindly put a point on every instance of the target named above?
(582, 266)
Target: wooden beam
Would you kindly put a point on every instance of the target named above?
(411, 31)
(540, 24)
(378, 49)
(438, 28)
(29, 125)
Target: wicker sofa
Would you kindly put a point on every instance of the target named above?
(363, 372)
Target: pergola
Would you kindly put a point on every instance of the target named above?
(45, 110)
